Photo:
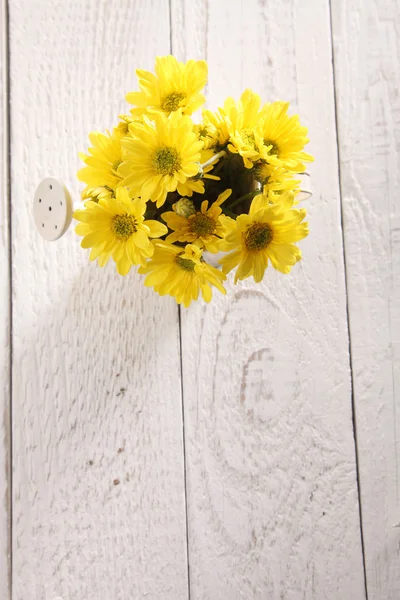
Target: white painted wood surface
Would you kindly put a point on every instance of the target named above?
(367, 54)
(98, 502)
(5, 442)
(271, 475)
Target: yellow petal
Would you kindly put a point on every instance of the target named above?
(140, 239)
(156, 229)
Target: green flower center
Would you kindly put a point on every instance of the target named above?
(166, 160)
(185, 263)
(203, 132)
(201, 224)
(258, 236)
(123, 226)
(248, 137)
(172, 101)
(274, 149)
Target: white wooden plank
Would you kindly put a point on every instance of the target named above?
(271, 475)
(98, 504)
(367, 55)
(5, 442)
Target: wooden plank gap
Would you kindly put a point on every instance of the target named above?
(179, 308)
(346, 275)
(6, 316)
(184, 449)
(170, 26)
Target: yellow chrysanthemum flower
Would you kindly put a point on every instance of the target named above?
(205, 135)
(281, 139)
(267, 233)
(204, 228)
(242, 119)
(116, 228)
(125, 121)
(103, 161)
(181, 273)
(213, 131)
(233, 126)
(174, 86)
(275, 179)
(160, 157)
(97, 193)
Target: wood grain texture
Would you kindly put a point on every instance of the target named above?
(271, 476)
(98, 505)
(367, 56)
(5, 442)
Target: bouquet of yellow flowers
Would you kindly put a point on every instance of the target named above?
(166, 194)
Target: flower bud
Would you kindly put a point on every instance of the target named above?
(184, 207)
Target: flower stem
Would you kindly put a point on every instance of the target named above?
(213, 159)
(228, 212)
(248, 196)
